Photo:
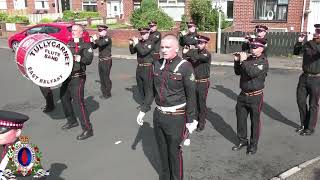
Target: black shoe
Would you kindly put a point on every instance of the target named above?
(252, 149)
(300, 129)
(48, 108)
(240, 146)
(69, 125)
(307, 132)
(85, 134)
(200, 127)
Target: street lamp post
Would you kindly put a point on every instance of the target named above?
(219, 28)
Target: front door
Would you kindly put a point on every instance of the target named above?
(65, 5)
(114, 8)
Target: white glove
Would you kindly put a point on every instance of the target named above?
(192, 126)
(186, 142)
(140, 118)
(94, 37)
(76, 40)
(135, 41)
(183, 33)
(77, 58)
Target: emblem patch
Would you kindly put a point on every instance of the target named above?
(24, 159)
(106, 40)
(149, 46)
(260, 67)
(90, 50)
(192, 78)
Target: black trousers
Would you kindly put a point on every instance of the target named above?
(48, 95)
(201, 94)
(308, 86)
(73, 90)
(104, 73)
(249, 105)
(144, 79)
(169, 131)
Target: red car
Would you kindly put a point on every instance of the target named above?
(61, 31)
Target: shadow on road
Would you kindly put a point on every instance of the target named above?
(221, 126)
(135, 94)
(267, 109)
(91, 105)
(149, 145)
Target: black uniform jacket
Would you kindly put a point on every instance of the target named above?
(201, 62)
(104, 44)
(173, 88)
(144, 50)
(253, 72)
(85, 51)
(311, 56)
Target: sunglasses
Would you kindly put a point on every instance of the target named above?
(317, 31)
(260, 30)
(254, 46)
(100, 30)
(201, 42)
(4, 129)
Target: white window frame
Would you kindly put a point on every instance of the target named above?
(173, 3)
(38, 4)
(19, 4)
(90, 3)
(3, 4)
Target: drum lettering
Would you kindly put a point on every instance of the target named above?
(32, 73)
(53, 44)
(44, 81)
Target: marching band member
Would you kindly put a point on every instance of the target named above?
(252, 71)
(155, 36)
(200, 59)
(73, 87)
(144, 48)
(309, 82)
(188, 40)
(174, 93)
(104, 43)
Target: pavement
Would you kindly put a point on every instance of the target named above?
(282, 154)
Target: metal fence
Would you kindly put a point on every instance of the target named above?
(36, 18)
(279, 43)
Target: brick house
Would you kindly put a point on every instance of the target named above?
(278, 15)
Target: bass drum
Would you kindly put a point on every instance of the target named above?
(44, 60)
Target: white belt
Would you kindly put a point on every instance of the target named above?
(171, 108)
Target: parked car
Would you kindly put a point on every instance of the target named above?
(59, 30)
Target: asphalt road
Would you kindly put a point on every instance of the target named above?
(208, 158)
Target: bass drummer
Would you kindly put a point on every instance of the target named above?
(73, 87)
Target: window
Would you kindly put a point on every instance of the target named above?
(89, 5)
(3, 4)
(230, 9)
(19, 4)
(41, 4)
(271, 10)
(52, 30)
(173, 2)
(35, 30)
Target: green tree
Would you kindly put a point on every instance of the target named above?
(205, 16)
(149, 11)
